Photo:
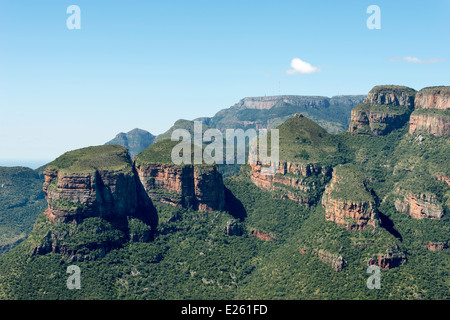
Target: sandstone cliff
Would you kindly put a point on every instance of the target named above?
(300, 182)
(386, 108)
(432, 114)
(95, 203)
(195, 186)
(433, 98)
(347, 201)
(418, 206)
(91, 182)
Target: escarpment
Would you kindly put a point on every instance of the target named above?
(418, 205)
(300, 182)
(95, 203)
(91, 182)
(198, 187)
(386, 108)
(100, 193)
(347, 200)
(432, 112)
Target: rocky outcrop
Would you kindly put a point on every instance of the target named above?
(432, 115)
(389, 260)
(348, 202)
(386, 108)
(291, 180)
(95, 203)
(418, 206)
(391, 95)
(199, 187)
(79, 195)
(429, 123)
(433, 98)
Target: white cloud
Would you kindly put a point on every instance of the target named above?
(301, 67)
(417, 60)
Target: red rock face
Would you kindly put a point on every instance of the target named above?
(432, 100)
(433, 124)
(353, 215)
(290, 175)
(105, 194)
(390, 98)
(419, 206)
(199, 187)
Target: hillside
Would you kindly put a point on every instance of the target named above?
(21, 199)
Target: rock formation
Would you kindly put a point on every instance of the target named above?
(386, 108)
(347, 201)
(389, 260)
(291, 180)
(432, 115)
(418, 206)
(75, 193)
(95, 203)
(195, 186)
(433, 98)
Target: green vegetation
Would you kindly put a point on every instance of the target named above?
(190, 256)
(21, 200)
(108, 157)
(351, 185)
(304, 141)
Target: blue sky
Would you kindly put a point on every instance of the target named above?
(146, 64)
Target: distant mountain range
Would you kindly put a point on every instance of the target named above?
(332, 114)
(135, 140)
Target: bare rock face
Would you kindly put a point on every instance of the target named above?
(95, 203)
(91, 182)
(433, 98)
(78, 195)
(199, 187)
(433, 124)
(290, 180)
(432, 115)
(418, 206)
(348, 202)
(391, 95)
(386, 108)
